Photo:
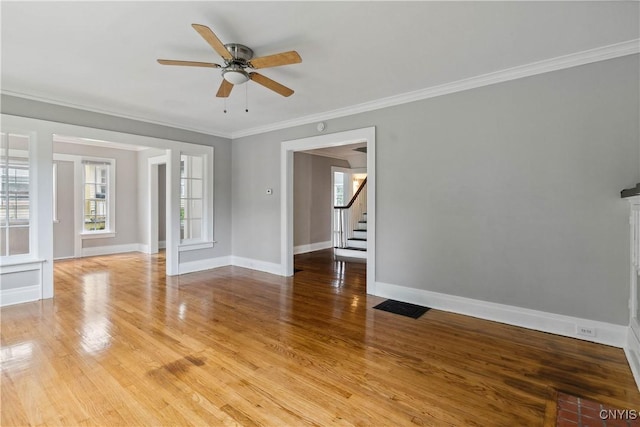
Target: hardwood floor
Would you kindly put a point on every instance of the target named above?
(123, 345)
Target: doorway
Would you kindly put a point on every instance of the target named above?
(345, 183)
(156, 222)
(330, 140)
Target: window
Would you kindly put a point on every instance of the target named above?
(191, 197)
(14, 195)
(98, 201)
(338, 189)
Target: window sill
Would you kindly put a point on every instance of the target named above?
(183, 247)
(98, 235)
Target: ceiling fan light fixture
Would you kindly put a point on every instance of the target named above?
(236, 76)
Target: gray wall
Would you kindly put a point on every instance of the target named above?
(312, 197)
(508, 193)
(64, 230)
(222, 155)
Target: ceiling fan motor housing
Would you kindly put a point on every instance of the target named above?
(234, 71)
(241, 53)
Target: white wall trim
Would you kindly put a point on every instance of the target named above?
(208, 264)
(113, 249)
(632, 351)
(204, 264)
(311, 247)
(114, 113)
(20, 295)
(603, 53)
(606, 333)
(254, 264)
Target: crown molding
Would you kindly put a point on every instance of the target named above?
(114, 114)
(604, 53)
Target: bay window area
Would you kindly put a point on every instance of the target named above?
(14, 195)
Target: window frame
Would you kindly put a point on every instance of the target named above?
(30, 224)
(110, 220)
(206, 235)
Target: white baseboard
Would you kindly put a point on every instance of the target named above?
(203, 264)
(162, 244)
(253, 264)
(605, 333)
(311, 247)
(112, 249)
(632, 351)
(20, 295)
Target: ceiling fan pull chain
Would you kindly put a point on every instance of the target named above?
(246, 98)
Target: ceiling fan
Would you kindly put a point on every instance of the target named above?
(237, 59)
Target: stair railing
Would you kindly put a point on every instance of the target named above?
(346, 217)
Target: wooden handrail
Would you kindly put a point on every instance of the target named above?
(355, 196)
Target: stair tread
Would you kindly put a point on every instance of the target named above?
(354, 249)
(360, 239)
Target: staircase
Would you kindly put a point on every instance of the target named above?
(357, 244)
(350, 222)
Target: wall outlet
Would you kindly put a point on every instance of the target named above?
(586, 330)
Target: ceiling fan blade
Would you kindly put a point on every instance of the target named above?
(213, 40)
(270, 84)
(188, 63)
(284, 58)
(225, 89)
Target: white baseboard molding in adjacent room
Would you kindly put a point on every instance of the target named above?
(112, 249)
(203, 264)
(602, 332)
(162, 244)
(311, 247)
(254, 264)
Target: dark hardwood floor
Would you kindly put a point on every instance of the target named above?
(121, 344)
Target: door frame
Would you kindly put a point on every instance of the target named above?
(152, 220)
(286, 184)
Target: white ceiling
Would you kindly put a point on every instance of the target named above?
(101, 56)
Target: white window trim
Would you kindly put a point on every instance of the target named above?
(55, 193)
(110, 226)
(206, 241)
